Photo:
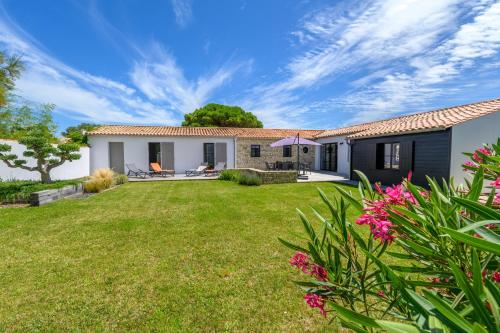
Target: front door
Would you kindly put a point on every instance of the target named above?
(116, 158)
(329, 156)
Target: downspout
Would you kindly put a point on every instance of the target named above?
(349, 157)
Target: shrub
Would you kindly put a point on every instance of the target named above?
(95, 185)
(231, 175)
(447, 243)
(249, 179)
(120, 179)
(19, 191)
(100, 180)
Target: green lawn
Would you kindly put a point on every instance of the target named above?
(164, 256)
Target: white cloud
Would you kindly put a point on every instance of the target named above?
(397, 54)
(160, 96)
(161, 79)
(182, 11)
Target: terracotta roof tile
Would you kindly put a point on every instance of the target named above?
(201, 131)
(418, 122)
(273, 133)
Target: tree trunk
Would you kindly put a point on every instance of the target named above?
(45, 176)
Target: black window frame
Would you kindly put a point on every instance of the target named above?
(209, 154)
(254, 150)
(391, 160)
(287, 151)
(154, 153)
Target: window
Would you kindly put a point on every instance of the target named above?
(287, 151)
(388, 156)
(209, 154)
(305, 150)
(254, 150)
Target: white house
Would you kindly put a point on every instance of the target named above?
(426, 143)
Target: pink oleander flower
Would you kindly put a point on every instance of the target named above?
(319, 272)
(365, 219)
(496, 183)
(496, 201)
(484, 151)
(436, 280)
(470, 165)
(408, 196)
(316, 301)
(381, 293)
(395, 194)
(301, 261)
(495, 277)
(382, 229)
(378, 207)
(378, 188)
(410, 174)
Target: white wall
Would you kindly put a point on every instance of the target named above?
(343, 158)
(188, 151)
(69, 170)
(469, 136)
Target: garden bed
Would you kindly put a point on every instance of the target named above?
(19, 191)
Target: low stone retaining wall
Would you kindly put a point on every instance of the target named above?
(272, 177)
(44, 197)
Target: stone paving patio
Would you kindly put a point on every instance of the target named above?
(315, 176)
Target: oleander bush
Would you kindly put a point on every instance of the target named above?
(446, 240)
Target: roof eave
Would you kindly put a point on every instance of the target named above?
(433, 129)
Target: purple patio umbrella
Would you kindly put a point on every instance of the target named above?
(294, 140)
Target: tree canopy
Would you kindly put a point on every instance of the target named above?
(218, 115)
(37, 133)
(10, 69)
(78, 134)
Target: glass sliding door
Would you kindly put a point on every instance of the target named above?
(209, 154)
(154, 152)
(329, 156)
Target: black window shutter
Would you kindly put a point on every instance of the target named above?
(406, 156)
(376, 156)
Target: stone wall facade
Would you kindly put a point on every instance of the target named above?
(268, 154)
(272, 177)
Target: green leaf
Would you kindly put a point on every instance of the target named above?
(393, 327)
(400, 255)
(473, 241)
(494, 304)
(292, 246)
(477, 278)
(476, 225)
(477, 185)
(308, 227)
(446, 313)
(366, 183)
(352, 200)
(479, 307)
(352, 326)
(477, 208)
(354, 317)
(478, 329)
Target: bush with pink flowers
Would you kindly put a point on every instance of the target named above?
(444, 238)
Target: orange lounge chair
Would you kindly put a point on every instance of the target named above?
(157, 170)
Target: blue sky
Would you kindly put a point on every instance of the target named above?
(308, 64)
